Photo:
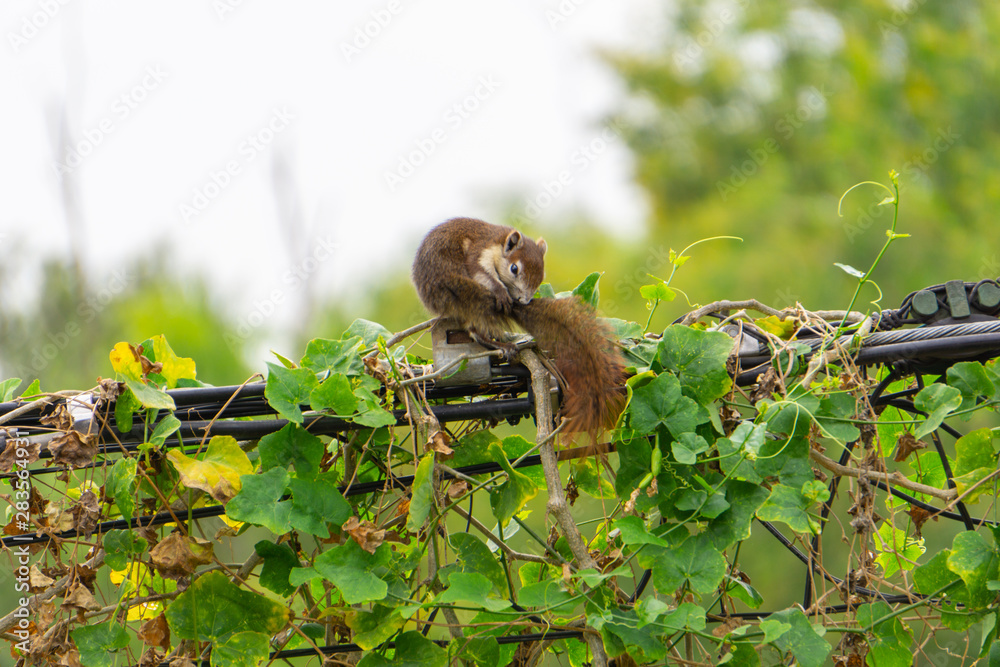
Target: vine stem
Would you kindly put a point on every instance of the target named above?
(557, 505)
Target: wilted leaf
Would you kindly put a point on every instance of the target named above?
(155, 632)
(178, 556)
(906, 445)
(218, 471)
(364, 533)
(73, 449)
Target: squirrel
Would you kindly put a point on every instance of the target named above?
(485, 276)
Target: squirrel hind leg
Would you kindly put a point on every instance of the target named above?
(492, 343)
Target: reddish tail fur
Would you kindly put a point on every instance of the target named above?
(586, 356)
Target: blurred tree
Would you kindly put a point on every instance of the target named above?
(64, 338)
(752, 118)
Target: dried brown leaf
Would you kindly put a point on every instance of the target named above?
(178, 556)
(73, 449)
(906, 445)
(13, 453)
(365, 533)
(155, 632)
(81, 599)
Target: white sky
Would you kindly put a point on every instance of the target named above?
(199, 80)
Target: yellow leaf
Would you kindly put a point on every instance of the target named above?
(141, 582)
(781, 328)
(124, 361)
(174, 367)
(219, 470)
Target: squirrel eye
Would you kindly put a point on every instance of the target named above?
(513, 269)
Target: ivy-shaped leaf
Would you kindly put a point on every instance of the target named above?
(258, 501)
(218, 471)
(938, 401)
(99, 643)
(336, 356)
(288, 388)
(510, 497)
(279, 559)
(174, 368)
(889, 641)
(214, 609)
(349, 568)
(801, 640)
(661, 403)
(336, 395)
(120, 486)
(695, 562)
(976, 561)
(294, 446)
(789, 505)
(373, 628)
(473, 589)
(699, 360)
(315, 503)
(412, 650)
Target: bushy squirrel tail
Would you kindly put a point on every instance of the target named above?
(585, 354)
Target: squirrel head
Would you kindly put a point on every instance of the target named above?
(521, 266)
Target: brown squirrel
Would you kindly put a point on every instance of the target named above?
(485, 276)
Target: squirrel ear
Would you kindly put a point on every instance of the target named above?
(512, 242)
(542, 245)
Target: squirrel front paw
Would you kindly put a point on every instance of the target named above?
(501, 299)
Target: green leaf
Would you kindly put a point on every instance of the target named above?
(474, 448)
(588, 290)
(687, 447)
(120, 485)
(774, 629)
(699, 360)
(336, 395)
(315, 503)
(586, 473)
(733, 525)
(708, 506)
(350, 567)
(422, 494)
(660, 403)
(475, 557)
(279, 559)
(213, 609)
(291, 446)
(259, 501)
(217, 471)
(657, 292)
(547, 594)
(32, 393)
(510, 497)
(164, 429)
(288, 388)
(7, 389)
(802, 641)
(120, 546)
(634, 531)
(371, 413)
(242, 649)
(974, 560)
(482, 651)
(973, 451)
(938, 401)
(695, 562)
(149, 396)
(787, 504)
(744, 592)
(622, 329)
(850, 270)
(336, 356)
(644, 643)
(889, 640)
(368, 331)
(99, 643)
(471, 588)
(412, 650)
(373, 628)
(972, 380)
(898, 552)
